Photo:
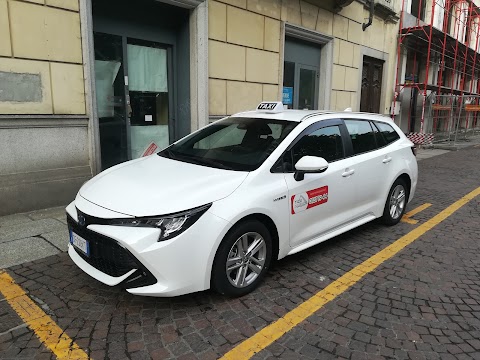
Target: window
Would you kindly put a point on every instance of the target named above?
(361, 133)
(418, 9)
(387, 132)
(381, 142)
(325, 142)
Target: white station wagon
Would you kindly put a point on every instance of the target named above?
(214, 209)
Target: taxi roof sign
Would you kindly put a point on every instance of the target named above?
(270, 106)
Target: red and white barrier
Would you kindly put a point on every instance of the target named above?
(420, 139)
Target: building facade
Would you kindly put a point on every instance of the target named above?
(88, 84)
(437, 82)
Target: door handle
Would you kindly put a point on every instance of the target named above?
(387, 160)
(348, 173)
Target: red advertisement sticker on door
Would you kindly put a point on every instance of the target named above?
(309, 199)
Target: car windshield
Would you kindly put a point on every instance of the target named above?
(235, 143)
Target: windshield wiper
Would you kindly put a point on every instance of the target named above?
(214, 163)
(193, 160)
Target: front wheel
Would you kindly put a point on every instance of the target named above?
(396, 203)
(242, 259)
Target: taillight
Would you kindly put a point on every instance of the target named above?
(414, 150)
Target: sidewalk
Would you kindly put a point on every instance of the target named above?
(460, 144)
(428, 153)
(30, 236)
(35, 235)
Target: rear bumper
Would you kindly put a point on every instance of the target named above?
(413, 178)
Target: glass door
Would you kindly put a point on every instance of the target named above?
(301, 74)
(300, 86)
(110, 94)
(307, 77)
(134, 97)
(148, 97)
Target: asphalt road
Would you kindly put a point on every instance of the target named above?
(421, 303)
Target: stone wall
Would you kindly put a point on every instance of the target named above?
(42, 37)
(244, 59)
(44, 133)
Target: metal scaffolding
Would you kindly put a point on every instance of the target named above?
(437, 60)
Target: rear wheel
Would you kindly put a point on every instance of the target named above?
(396, 203)
(242, 259)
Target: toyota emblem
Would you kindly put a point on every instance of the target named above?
(81, 220)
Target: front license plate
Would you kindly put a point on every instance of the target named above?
(80, 243)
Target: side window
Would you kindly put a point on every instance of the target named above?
(361, 133)
(325, 142)
(387, 132)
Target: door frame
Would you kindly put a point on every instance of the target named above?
(171, 71)
(126, 95)
(198, 70)
(326, 59)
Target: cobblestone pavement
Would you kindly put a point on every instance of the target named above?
(424, 303)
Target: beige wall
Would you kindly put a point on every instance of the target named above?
(245, 43)
(42, 37)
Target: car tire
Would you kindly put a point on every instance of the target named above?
(396, 203)
(236, 272)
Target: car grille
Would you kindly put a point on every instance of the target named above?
(108, 256)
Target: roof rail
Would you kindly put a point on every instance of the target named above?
(320, 112)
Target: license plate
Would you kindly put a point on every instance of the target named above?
(80, 243)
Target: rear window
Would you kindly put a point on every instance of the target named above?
(387, 132)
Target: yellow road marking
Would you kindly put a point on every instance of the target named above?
(409, 221)
(277, 329)
(408, 215)
(418, 209)
(40, 323)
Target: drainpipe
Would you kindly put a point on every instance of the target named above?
(370, 17)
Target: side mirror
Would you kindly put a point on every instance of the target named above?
(309, 164)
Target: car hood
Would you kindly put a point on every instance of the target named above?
(155, 185)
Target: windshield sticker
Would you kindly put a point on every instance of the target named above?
(309, 199)
(151, 148)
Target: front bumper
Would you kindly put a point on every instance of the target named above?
(132, 257)
(113, 261)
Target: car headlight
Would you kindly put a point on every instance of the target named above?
(169, 225)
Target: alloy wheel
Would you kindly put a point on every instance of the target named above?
(397, 202)
(246, 259)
